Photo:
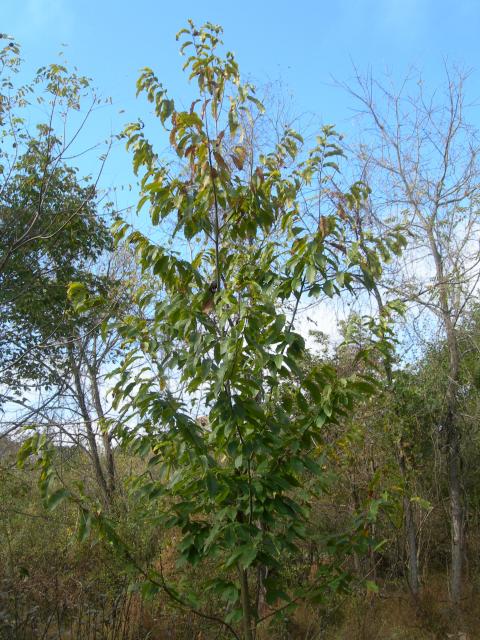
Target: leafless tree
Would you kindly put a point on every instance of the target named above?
(419, 155)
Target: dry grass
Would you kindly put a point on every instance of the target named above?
(395, 615)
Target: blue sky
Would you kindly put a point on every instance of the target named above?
(303, 43)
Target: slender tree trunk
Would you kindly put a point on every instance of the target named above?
(356, 510)
(245, 600)
(456, 506)
(373, 527)
(107, 443)
(451, 430)
(413, 579)
(260, 601)
(89, 428)
(410, 533)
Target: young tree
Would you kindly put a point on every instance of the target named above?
(233, 484)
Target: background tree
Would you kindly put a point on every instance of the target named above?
(421, 162)
(54, 231)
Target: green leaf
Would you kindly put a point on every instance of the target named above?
(212, 484)
(372, 586)
(248, 555)
(149, 590)
(54, 499)
(278, 360)
(84, 526)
